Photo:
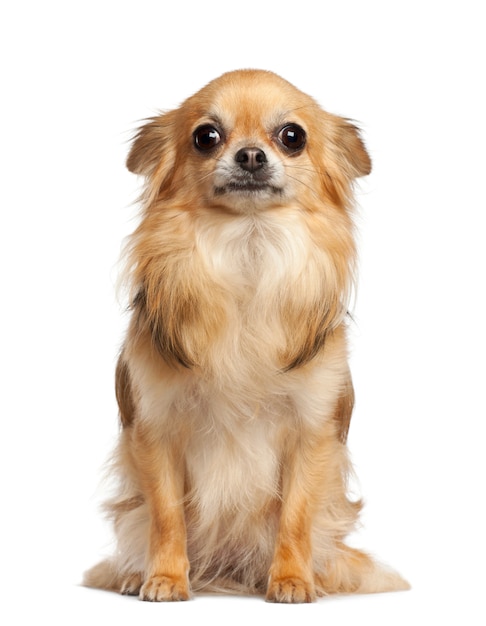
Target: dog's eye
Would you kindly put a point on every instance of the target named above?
(206, 137)
(292, 137)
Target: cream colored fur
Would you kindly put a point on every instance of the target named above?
(233, 382)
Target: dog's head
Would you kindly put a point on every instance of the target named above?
(249, 140)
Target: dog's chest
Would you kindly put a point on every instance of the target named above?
(264, 270)
(252, 256)
(233, 457)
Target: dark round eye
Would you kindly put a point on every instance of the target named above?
(206, 137)
(292, 137)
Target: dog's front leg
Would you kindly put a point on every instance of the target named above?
(162, 481)
(292, 574)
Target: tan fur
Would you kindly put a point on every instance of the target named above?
(233, 385)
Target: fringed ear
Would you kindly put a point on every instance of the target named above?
(153, 146)
(339, 156)
(350, 144)
(153, 155)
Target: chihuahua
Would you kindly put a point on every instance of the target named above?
(233, 383)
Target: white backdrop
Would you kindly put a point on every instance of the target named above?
(76, 78)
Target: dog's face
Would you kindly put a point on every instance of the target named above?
(248, 141)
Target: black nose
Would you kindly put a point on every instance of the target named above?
(251, 159)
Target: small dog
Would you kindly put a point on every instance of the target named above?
(233, 385)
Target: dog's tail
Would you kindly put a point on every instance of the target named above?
(353, 571)
(104, 575)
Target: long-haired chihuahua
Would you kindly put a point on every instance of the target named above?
(233, 385)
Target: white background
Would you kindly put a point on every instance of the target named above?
(76, 78)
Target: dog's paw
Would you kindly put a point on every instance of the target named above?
(131, 585)
(291, 591)
(165, 589)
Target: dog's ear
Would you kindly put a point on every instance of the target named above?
(340, 156)
(352, 148)
(153, 146)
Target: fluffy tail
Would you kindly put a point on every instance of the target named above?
(353, 571)
(104, 575)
